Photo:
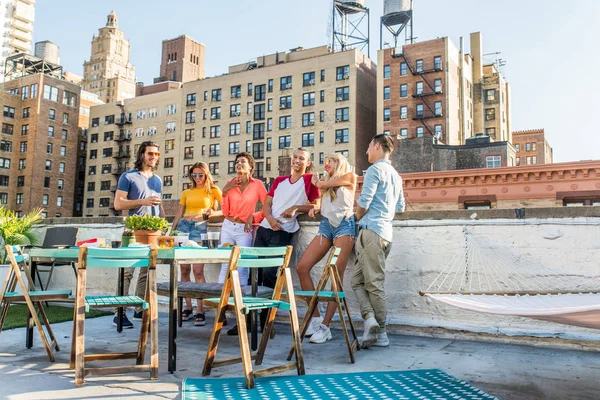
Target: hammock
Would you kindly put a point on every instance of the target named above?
(488, 281)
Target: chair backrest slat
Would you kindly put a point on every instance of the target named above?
(263, 251)
(261, 257)
(260, 262)
(117, 263)
(118, 258)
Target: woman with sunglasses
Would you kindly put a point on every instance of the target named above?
(195, 206)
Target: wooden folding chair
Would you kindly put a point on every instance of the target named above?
(335, 295)
(232, 299)
(29, 296)
(130, 257)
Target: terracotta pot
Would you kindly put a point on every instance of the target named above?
(147, 237)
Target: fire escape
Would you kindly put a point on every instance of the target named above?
(425, 92)
(123, 153)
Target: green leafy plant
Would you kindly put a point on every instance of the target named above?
(175, 233)
(147, 222)
(127, 232)
(16, 230)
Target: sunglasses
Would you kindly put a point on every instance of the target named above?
(197, 176)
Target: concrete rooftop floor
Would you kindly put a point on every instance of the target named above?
(509, 371)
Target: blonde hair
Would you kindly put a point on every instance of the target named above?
(342, 167)
(208, 179)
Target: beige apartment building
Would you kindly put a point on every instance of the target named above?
(39, 144)
(16, 28)
(313, 98)
(109, 73)
(434, 89)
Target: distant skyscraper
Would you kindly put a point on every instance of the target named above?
(16, 27)
(109, 73)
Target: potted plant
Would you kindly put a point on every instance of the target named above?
(16, 230)
(146, 229)
(127, 238)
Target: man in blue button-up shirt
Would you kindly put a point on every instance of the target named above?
(381, 197)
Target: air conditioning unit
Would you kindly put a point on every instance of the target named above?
(346, 76)
(338, 141)
(282, 107)
(339, 98)
(311, 122)
(213, 117)
(311, 82)
(288, 86)
(235, 113)
(338, 120)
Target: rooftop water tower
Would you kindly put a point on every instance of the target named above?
(350, 25)
(397, 17)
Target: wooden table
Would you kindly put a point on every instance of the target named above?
(173, 257)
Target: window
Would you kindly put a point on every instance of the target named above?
(215, 131)
(258, 151)
(342, 94)
(234, 147)
(341, 136)
(236, 92)
(490, 95)
(168, 181)
(419, 88)
(108, 136)
(64, 134)
(248, 126)
(93, 153)
(61, 167)
(59, 201)
(4, 180)
(45, 199)
(5, 163)
(285, 82)
(171, 109)
(106, 169)
(26, 112)
(420, 109)
(48, 165)
(109, 119)
(89, 203)
(234, 129)
(215, 95)
(404, 90)
(94, 138)
(404, 112)
(23, 147)
(69, 99)
(215, 113)
(9, 112)
(285, 141)
(214, 168)
(235, 110)
(248, 146)
(20, 198)
(269, 124)
(190, 99)
(322, 96)
(437, 85)
(322, 75)
(419, 66)
(533, 146)
(34, 90)
(260, 93)
(95, 122)
(259, 112)
(285, 122)
(437, 131)
(437, 108)
(270, 105)
(50, 93)
(404, 133)
(231, 167)
(6, 146)
(403, 69)
(268, 164)
(104, 202)
(386, 93)
(491, 132)
(169, 127)
(308, 139)
(308, 99)
(213, 150)
(493, 161)
(61, 184)
(170, 144)
(517, 147)
(3, 198)
(249, 108)
(190, 117)
(419, 131)
(168, 162)
(308, 78)
(285, 102)
(52, 114)
(386, 114)
(269, 144)
(342, 114)
(189, 135)
(490, 114)
(65, 118)
(22, 163)
(308, 119)
(342, 73)
(7, 129)
(343, 152)
(437, 63)
(258, 131)
(386, 71)
(533, 159)
(249, 89)
(270, 85)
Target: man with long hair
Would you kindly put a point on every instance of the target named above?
(139, 192)
(380, 198)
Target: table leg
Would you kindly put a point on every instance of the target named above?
(120, 309)
(254, 314)
(172, 357)
(29, 332)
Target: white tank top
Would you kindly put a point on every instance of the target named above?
(342, 207)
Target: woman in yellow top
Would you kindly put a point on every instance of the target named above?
(195, 206)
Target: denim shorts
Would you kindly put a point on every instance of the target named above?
(194, 228)
(346, 227)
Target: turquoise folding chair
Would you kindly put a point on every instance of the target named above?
(116, 258)
(29, 296)
(233, 300)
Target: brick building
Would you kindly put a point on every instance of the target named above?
(532, 147)
(182, 60)
(40, 139)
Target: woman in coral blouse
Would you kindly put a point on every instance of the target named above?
(195, 206)
(240, 196)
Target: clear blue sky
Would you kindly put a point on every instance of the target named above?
(550, 50)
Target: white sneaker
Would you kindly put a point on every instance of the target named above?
(382, 340)
(370, 333)
(321, 335)
(313, 325)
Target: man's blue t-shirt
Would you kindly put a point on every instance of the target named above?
(139, 187)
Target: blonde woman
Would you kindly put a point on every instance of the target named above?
(195, 206)
(336, 229)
